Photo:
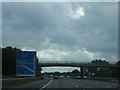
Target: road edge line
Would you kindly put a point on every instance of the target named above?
(46, 85)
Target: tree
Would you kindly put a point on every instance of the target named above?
(57, 73)
(38, 69)
(103, 72)
(9, 60)
(99, 71)
(118, 63)
(103, 62)
(75, 73)
(0, 62)
(116, 71)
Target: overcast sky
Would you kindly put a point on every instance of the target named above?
(72, 31)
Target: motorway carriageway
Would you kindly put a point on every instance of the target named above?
(67, 83)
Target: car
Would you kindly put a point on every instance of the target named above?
(61, 77)
(55, 77)
(77, 77)
(68, 76)
(85, 77)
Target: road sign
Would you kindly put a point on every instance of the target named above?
(26, 63)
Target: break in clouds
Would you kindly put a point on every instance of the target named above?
(62, 31)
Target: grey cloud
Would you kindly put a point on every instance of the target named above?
(0, 24)
(29, 24)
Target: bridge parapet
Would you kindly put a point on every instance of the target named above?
(75, 64)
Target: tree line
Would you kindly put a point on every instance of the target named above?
(104, 71)
(9, 65)
(9, 61)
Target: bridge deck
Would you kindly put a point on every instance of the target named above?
(77, 65)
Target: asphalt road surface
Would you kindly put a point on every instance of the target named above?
(67, 83)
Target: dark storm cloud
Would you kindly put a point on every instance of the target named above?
(51, 25)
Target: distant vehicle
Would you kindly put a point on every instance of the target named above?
(68, 76)
(55, 77)
(61, 77)
(85, 77)
(77, 77)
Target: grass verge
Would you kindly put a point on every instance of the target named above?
(12, 83)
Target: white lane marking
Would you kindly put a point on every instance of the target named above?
(46, 84)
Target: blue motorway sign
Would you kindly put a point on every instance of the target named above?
(26, 63)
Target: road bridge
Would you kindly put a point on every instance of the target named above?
(76, 64)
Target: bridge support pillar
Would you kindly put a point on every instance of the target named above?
(81, 72)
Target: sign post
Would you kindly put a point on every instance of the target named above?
(26, 63)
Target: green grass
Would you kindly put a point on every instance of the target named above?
(6, 77)
(12, 83)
